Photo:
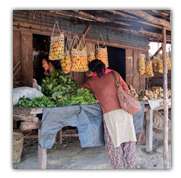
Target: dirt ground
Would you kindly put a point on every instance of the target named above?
(70, 155)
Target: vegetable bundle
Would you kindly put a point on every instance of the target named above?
(58, 84)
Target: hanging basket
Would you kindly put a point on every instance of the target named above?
(158, 122)
(18, 139)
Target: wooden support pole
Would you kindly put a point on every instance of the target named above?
(84, 33)
(42, 154)
(149, 130)
(165, 104)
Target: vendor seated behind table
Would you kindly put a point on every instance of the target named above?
(49, 67)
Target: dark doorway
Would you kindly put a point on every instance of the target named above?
(116, 58)
(41, 45)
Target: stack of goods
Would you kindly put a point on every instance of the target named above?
(132, 91)
(148, 69)
(153, 93)
(141, 65)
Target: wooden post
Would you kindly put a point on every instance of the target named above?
(42, 154)
(165, 103)
(149, 130)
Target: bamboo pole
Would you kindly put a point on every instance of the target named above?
(165, 104)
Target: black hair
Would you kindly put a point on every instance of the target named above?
(46, 56)
(97, 66)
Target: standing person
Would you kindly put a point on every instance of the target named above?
(119, 130)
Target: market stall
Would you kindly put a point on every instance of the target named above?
(74, 47)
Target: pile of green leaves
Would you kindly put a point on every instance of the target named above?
(37, 102)
(58, 84)
(82, 96)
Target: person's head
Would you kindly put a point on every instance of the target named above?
(97, 66)
(45, 62)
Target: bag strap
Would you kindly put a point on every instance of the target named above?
(56, 23)
(117, 84)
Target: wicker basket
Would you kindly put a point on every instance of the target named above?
(158, 125)
(18, 139)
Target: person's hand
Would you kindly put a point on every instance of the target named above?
(33, 81)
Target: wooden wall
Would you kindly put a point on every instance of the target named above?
(23, 53)
(132, 76)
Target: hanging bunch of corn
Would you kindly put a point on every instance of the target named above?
(56, 45)
(141, 65)
(79, 55)
(66, 61)
(148, 69)
(101, 52)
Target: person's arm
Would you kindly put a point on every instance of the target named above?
(86, 85)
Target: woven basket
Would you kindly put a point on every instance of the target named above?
(158, 125)
(18, 139)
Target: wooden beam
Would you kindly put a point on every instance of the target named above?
(27, 118)
(150, 18)
(100, 19)
(156, 53)
(30, 125)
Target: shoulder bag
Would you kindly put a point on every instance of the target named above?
(127, 102)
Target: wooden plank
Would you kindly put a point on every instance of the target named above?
(60, 136)
(135, 70)
(17, 54)
(27, 57)
(27, 118)
(141, 79)
(30, 125)
(149, 130)
(129, 67)
(17, 110)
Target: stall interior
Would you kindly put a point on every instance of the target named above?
(116, 58)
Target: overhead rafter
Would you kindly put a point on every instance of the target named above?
(149, 18)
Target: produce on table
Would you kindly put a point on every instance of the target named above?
(58, 84)
(83, 96)
(42, 101)
(141, 65)
(153, 93)
(132, 91)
